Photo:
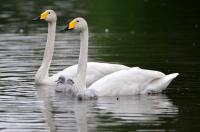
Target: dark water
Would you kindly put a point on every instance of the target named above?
(162, 35)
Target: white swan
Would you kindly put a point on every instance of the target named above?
(124, 82)
(95, 70)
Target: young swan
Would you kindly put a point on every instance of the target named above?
(95, 70)
(125, 82)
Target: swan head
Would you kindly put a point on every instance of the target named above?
(63, 80)
(48, 15)
(78, 24)
(67, 82)
(71, 86)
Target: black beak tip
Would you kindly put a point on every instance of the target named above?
(65, 29)
(36, 18)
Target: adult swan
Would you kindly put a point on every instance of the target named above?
(95, 70)
(125, 82)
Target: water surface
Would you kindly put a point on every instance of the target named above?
(160, 35)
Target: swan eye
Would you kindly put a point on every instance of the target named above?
(49, 13)
(77, 21)
(70, 81)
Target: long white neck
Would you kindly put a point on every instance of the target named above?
(43, 71)
(82, 62)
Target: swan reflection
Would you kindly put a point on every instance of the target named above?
(65, 112)
(137, 107)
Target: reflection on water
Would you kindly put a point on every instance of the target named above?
(154, 34)
(140, 108)
(64, 113)
(26, 107)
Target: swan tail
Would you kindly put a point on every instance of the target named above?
(158, 85)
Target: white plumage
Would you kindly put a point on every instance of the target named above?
(95, 70)
(124, 82)
(132, 82)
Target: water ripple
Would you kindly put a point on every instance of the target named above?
(26, 107)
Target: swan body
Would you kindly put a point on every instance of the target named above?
(125, 82)
(132, 82)
(95, 70)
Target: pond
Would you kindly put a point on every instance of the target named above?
(161, 35)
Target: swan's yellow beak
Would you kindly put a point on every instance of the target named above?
(44, 15)
(72, 24)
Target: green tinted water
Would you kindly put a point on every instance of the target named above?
(153, 34)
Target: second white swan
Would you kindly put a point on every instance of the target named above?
(124, 82)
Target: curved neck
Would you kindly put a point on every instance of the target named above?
(82, 62)
(42, 72)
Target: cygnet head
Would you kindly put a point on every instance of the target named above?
(48, 15)
(78, 24)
